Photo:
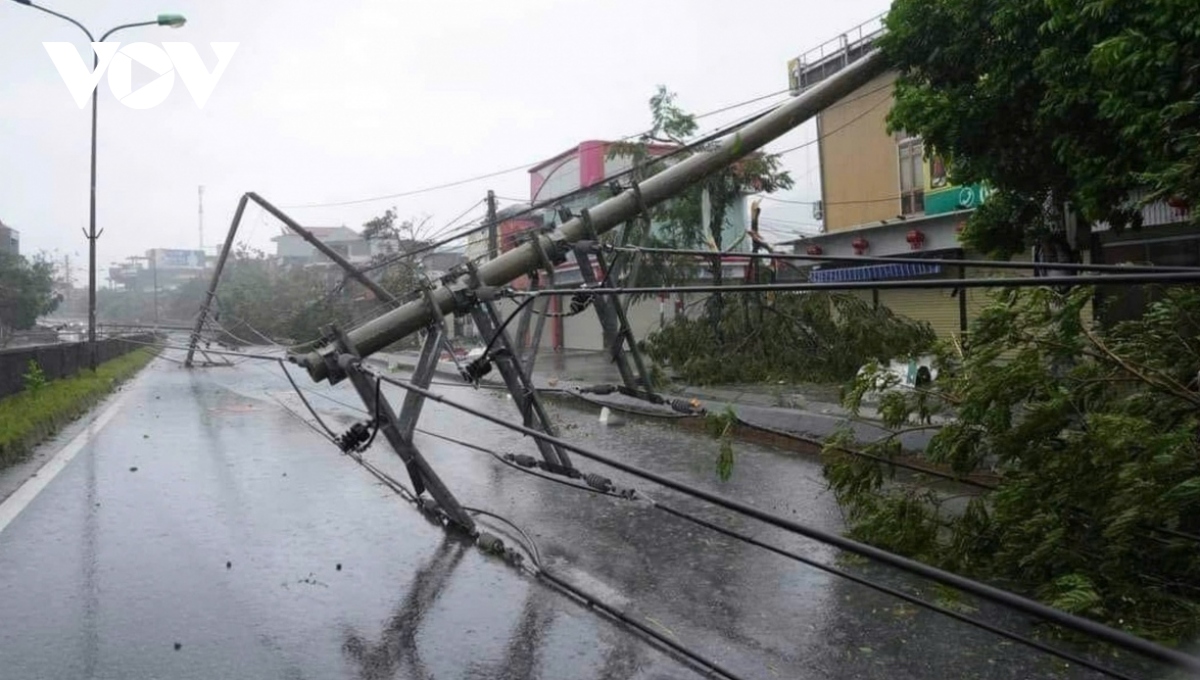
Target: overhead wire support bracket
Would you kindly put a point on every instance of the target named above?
(527, 351)
(520, 385)
(399, 429)
(619, 343)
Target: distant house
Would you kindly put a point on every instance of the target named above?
(438, 264)
(10, 240)
(291, 249)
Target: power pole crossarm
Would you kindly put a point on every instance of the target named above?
(409, 318)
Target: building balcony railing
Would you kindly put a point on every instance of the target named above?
(834, 55)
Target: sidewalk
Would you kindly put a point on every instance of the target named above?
(809, 411)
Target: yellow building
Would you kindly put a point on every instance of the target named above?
(881, 196)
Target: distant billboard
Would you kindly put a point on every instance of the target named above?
(164, 258)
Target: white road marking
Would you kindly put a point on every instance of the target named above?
(23, 496)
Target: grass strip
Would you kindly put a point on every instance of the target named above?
(30, 417)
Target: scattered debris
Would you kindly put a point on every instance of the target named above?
(178, 646)
(610, 418)
(339, 566)
(228, 564)
(132, 469)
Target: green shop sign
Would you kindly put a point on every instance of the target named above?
(955, 198)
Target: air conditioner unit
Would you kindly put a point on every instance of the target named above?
(818, 210)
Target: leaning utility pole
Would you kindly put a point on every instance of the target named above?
(493, 244)
(379, 291)
(468, 290)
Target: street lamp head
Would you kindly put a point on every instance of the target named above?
(24, 2)
(172, 20)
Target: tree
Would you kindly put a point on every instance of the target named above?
(1095, 466)
(680, 221)
(380, 227)
(1058, 105)
(26, 291)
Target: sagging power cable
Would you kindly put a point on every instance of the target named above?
(899, 594)
(490, 544)
(865, 259)
(535, 557)
(1093, 629)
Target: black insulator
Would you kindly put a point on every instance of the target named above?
(355, 437)
(475, 370)
(580, 302)
(524, 460)
(598, 481)
(685, 406)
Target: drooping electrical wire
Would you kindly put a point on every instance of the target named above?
(1093, 629)
(515, 168)
(867, 259)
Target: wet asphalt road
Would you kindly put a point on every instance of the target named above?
(244, 545)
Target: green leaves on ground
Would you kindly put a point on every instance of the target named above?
(720, 426)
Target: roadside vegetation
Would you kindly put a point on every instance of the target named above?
(1075, 113)
(44, 407)
(1094, 437)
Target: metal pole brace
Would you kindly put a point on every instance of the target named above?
(399, 432)
(437, 322)
(618, 337)
(520, 386)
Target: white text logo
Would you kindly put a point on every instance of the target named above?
(166, 61)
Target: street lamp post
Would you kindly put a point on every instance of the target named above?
(172, 20)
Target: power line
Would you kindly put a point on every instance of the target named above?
(843, 126)
(913, 284)
(1093, 629)
(414, 192)
(398, 487)
(719, 132)
(859, 259)
(498, 173)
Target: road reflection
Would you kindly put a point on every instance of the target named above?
(396, 649)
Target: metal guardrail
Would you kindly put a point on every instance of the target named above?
(834, 55)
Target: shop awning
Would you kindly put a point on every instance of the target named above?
(875, 272)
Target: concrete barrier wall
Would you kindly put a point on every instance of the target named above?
(60, 360)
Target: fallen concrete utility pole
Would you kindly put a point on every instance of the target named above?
(462, 293)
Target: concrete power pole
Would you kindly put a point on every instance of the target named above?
(493, 242)
(412, 316)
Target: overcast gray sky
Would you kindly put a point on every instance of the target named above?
(334, 101)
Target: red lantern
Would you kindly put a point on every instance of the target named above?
(815, 249)
(915, 238)
(1178, 202)
(860, 245)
